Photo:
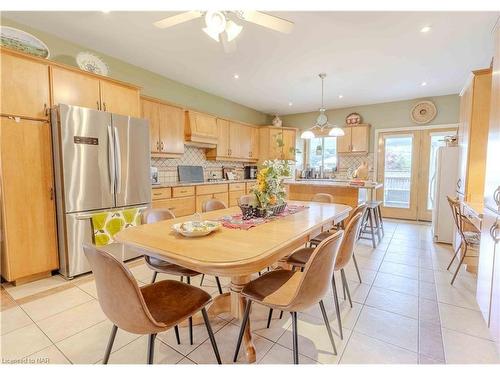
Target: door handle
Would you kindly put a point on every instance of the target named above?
(111, 161)
(496, 196)
(118, 162)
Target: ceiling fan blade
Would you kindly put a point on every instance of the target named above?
(177, 19)
(266, 20)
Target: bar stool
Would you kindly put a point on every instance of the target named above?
(300, 257)
(294, 292)
(469, 235)
(372, 223)
(148, 310)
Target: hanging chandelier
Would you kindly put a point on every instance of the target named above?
(322, 123)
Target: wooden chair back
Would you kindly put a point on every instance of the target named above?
(318, 273)
(212, 205)
(322, 198)
(118, 293)
(462, 223)
(348, 241)
(152, 215)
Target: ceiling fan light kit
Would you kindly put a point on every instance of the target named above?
(322, 123)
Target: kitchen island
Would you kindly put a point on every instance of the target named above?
(343, 191)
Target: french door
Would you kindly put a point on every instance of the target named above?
(406, 166)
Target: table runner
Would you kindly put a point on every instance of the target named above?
(236, 221)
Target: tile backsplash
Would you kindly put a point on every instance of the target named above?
(167, 168)
(354, 161)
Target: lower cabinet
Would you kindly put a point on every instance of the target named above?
(179, 206)
(200, 199)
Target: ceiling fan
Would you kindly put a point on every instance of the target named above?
(221, 25)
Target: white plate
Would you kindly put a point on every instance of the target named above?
(196, 228)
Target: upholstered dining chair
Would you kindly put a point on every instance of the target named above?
(322, 198)
(147, 310)
(293, 291)
(300, 258)
(153, 215)
(246, 199)
(469, 235)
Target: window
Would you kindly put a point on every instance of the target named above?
(322, 152)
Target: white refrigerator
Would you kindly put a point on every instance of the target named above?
(443, 183)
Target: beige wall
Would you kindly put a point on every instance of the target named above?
(383, 115)
(152, 84)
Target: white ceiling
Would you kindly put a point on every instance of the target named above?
(370, 57)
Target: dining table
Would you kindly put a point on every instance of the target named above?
(233, 252)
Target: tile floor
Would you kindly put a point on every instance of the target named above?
(405, 311)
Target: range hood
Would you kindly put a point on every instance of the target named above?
(199, 144)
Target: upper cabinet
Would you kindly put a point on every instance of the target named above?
(473, 135)
(356, 140)
(276, 143)
(200, 127)
(235, 141)
(24, 86)
(87, 90)
(166, 127)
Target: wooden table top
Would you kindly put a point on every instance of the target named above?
(231, 252)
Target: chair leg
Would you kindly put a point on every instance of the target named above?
(379, 211)
(218, 284)
(281, 314)
(377, 225)
(190, 319)
(151, 348)
(211, 335)
(295, 339)
(177, 336)
(327, 324)
(154, 277)
(202, 278)
(459, 264)
(242, 329)
(110, 344)
(371, 229)
(346, 286)
(337, 307)
(455, 255)
(356, 266)
(269, 317)
(182, 279)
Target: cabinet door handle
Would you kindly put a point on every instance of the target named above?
(104, 106)
(459, 183)
(161, 145)
(51, 193)
(98, 105)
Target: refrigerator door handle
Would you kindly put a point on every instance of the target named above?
(111, 160)
(89, 216)
(432, 188)
(118, 156)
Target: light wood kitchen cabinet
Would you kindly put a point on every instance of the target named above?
(240, 141)
(161, 193)
(222, 150)
(74, 88)
(235, 141)
(276, 143)
(179, 206)
(166, 127)
(87, 90)
(473, 134)
(200, 127)
(200, 199)
(236, 190)
(356, 140)
(29, 239)
(119, 99)
(24, 86)
(254, 151)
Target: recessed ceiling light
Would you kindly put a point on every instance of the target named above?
(423, 83)
(105, 11)
(290, 104)
(425, 29)
(236, 76)
(341, 96)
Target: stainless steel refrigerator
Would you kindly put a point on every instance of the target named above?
(101, 163)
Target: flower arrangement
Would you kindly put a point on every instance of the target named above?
(270, 189)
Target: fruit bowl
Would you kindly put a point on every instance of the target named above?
(196, 228)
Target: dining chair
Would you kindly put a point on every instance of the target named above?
(300, 258)
(469, 235)
(207, 206)
(153, 215)
(147, 310)
(246, 200)
(295, 291)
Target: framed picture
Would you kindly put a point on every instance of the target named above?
(22, 41)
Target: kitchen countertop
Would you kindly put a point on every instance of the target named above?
(175, 184)
(337, 183)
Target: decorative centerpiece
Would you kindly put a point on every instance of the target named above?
(269, 191)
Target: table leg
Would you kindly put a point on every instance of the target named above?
(238, 303)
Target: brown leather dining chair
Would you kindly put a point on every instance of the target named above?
(148, 310)
(300, 258)
(153, 215)
(293, 291)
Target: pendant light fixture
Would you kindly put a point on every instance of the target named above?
(322, 120)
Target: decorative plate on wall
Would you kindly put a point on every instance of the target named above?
(353, 119)
(423, 112)
(91, 63)
(22, 41)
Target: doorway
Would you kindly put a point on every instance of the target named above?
(406, 162)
